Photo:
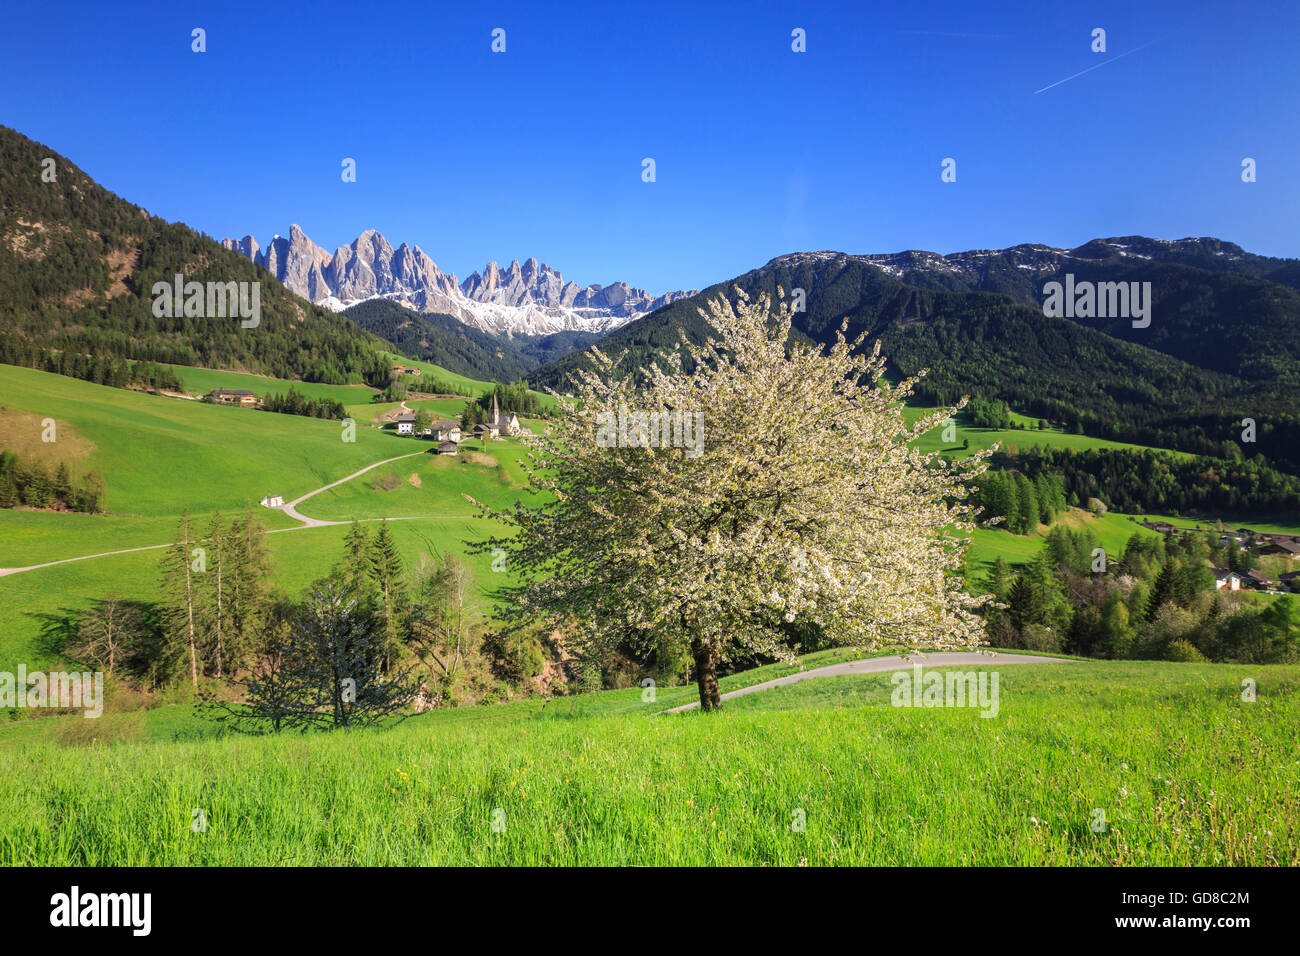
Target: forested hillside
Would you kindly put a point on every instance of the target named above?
(988, 344)
(77, 269)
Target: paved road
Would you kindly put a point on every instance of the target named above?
(290, 509)
(876, 665)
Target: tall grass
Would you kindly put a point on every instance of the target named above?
(1185, 772)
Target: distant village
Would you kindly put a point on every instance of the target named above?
(1238, 542)
(447, 431)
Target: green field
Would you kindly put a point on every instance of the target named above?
(1020, 439)
(1185, 772)
(161, 455)
(200, 381)
(1111, 530)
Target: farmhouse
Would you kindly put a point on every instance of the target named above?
(1257, 580)
(405, 370)
(447, 448)
(1279, 544)
(406, 424)
(1226, 579)
(232, 396)
(447, 429)
(486, 430)
(272, 501)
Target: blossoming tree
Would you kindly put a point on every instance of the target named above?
(801, 505)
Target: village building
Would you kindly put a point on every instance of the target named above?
(504, 423)
(1258, 580)
(232, 396)
(1226, 579)
(406, 425)
(447, 429)
(272, 501)
(1279, 544)
(447, 448)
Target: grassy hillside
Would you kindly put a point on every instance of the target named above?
(162, 455)
(598, 780)
(1020, 438)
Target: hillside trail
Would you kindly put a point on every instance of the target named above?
(290, 508)
(876, 665)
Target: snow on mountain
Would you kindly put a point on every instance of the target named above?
(529, 299)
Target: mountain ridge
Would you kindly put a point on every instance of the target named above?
(530, 298)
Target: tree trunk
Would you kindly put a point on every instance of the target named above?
(706, 675)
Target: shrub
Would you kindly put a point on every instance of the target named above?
(1184, 652)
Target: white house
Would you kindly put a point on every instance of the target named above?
(405, 423)
(448, 429)
(273, 501)
(1226, 579)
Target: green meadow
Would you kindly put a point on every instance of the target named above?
(162, 455)
(200, 381)
(1112, 531)
(823, 772)
(1028, 436)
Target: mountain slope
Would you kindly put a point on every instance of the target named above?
(77, 269)
(1215, 305)
(990, 344)
(528, 299)
(443, 340)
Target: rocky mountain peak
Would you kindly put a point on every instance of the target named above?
(529, 298)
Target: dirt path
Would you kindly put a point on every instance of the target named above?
(289, 508)
(876, 665)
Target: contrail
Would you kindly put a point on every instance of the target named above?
(1091, 68)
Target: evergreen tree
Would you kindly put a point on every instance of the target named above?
(247, 571)
(998, 579)
(386, 573)
(178, 587)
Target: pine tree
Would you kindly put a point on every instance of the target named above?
(178, 588)
(357, 566)
(997, 579)
(1028, 514)
(247, 574)
(1164, 590)
(213, 592)
(386, 573)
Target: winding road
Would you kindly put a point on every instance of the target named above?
(289, 508)
(876, 665)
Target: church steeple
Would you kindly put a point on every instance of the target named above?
(496, 411)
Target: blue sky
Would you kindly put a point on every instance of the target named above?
(759, 150)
